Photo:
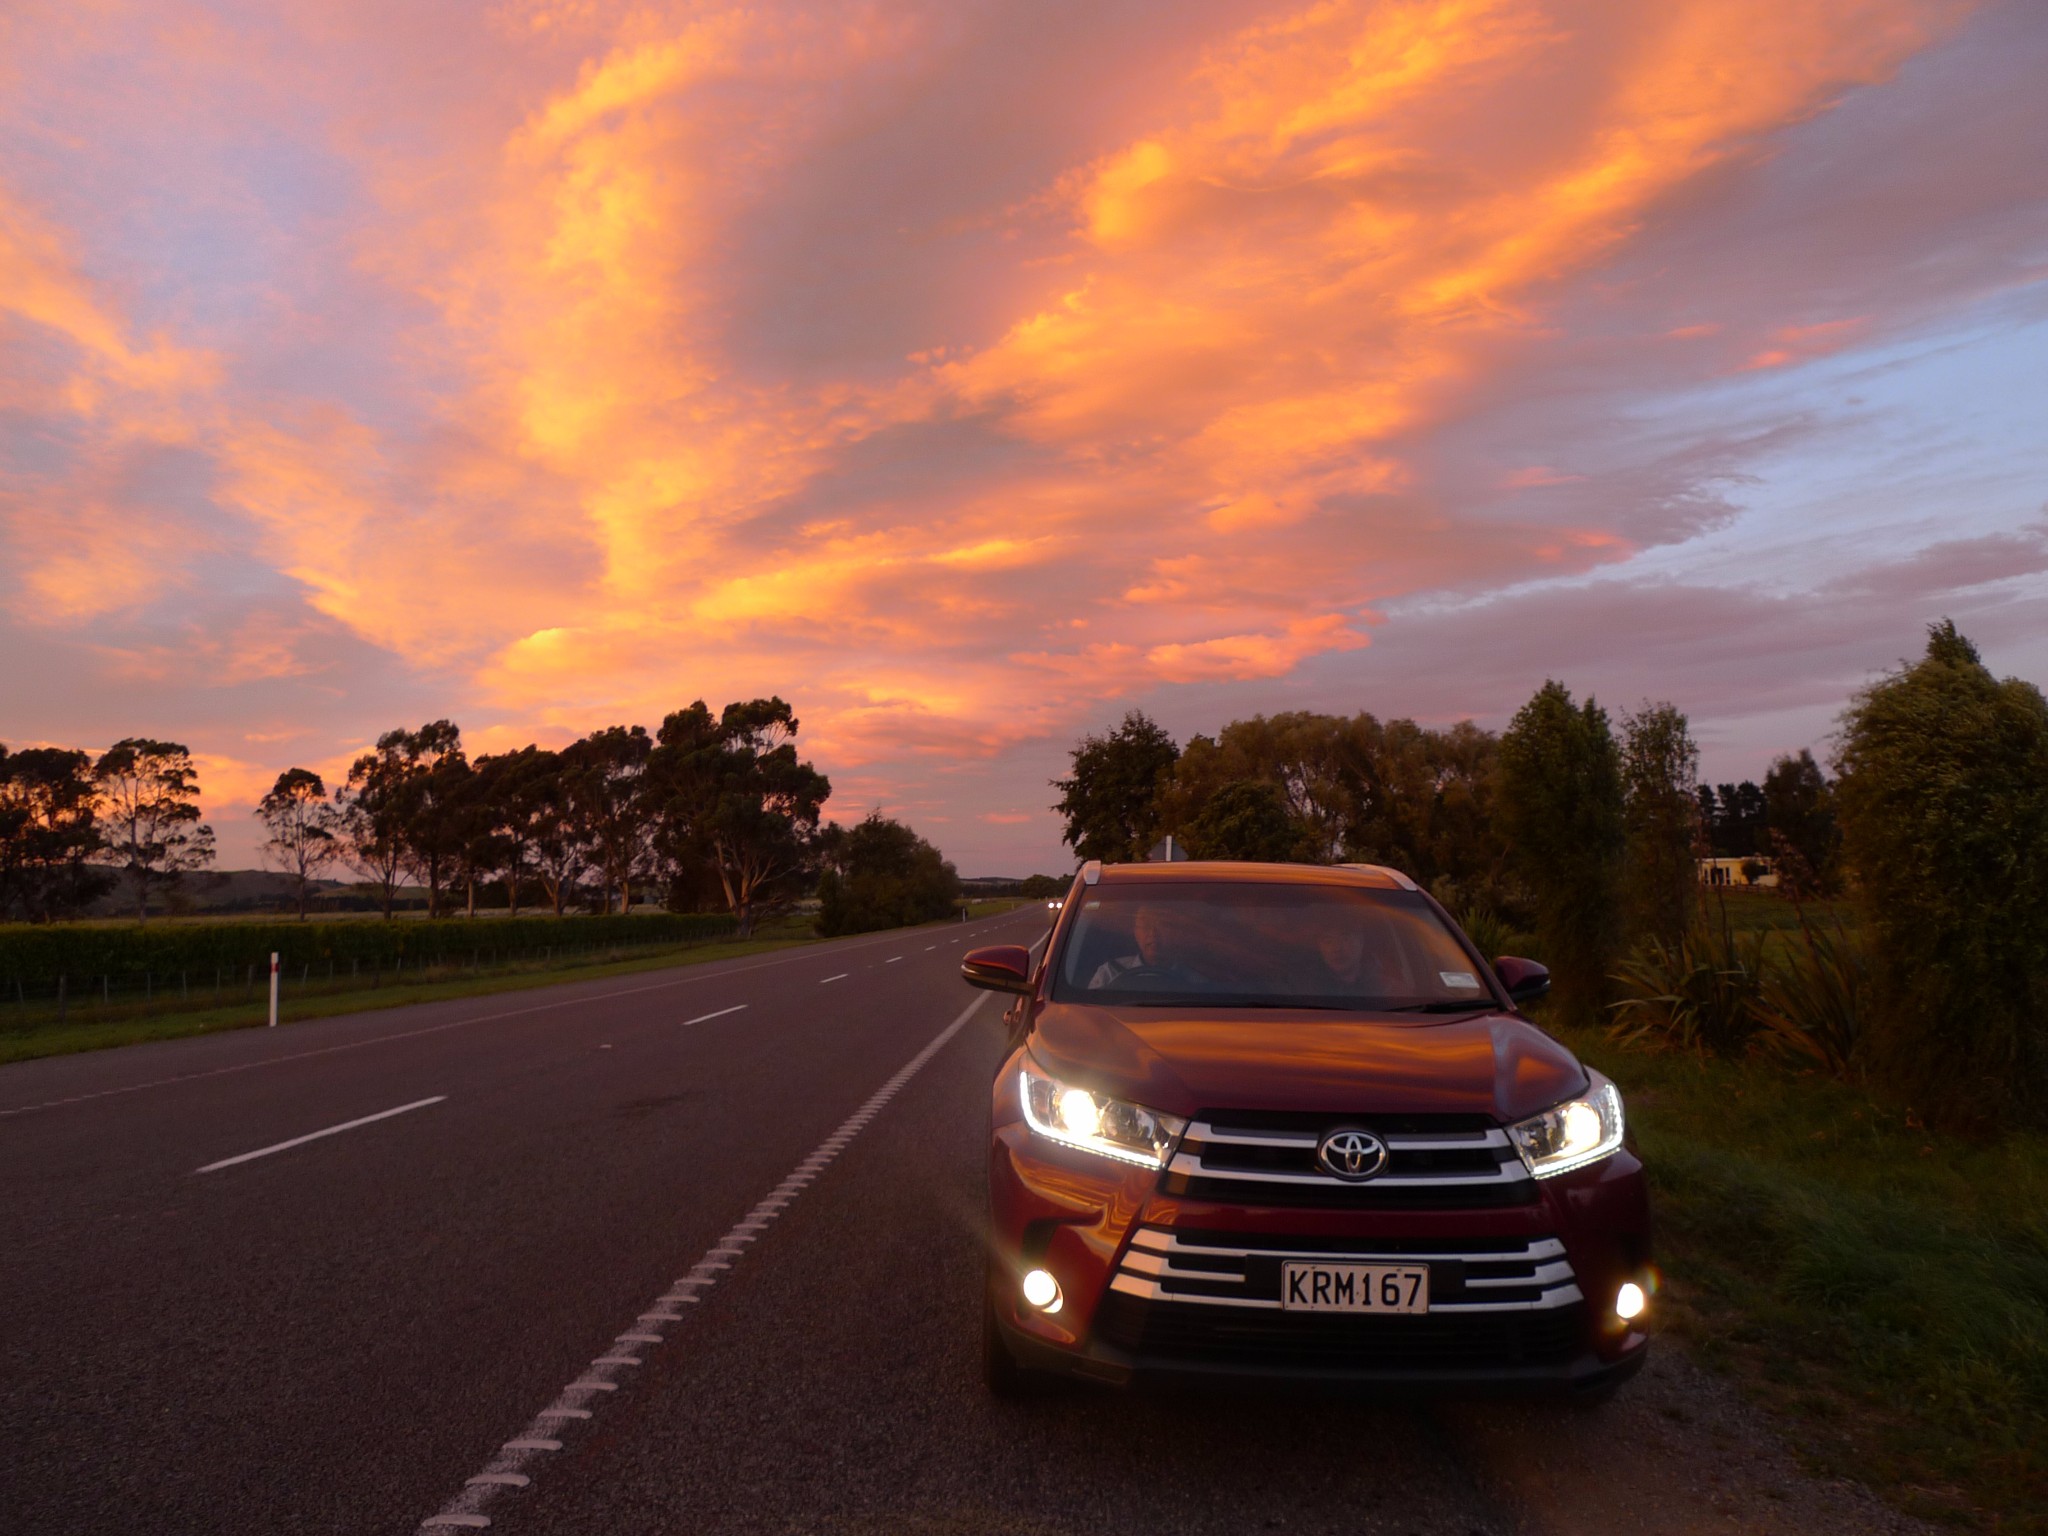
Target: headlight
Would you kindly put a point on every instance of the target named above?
(1572, 1134)
(1094, 1122)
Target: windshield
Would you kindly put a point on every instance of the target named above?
(1242, 945)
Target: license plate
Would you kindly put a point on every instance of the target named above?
(1354, 1287)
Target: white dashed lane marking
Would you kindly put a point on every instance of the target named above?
(840, 977)
(557, 1006)
(519, 1456)
(332, 1130)
(705, 1018)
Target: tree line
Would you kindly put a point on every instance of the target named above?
(707, 810)
(1480, 817)
(711, 812)
(1586, 829)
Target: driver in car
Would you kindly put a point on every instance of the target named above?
(1161, 944)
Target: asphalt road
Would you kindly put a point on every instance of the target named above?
(687, 1251)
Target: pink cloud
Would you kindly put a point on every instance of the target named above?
(599, 357)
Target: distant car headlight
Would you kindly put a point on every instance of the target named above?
(1572, 1134)
(1094, 1122)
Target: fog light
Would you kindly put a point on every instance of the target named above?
(1629, 1301)
(1042, 1291)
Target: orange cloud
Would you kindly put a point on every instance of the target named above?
(728, 349)
(41, 286)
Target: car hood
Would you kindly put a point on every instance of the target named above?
(1186, 1060)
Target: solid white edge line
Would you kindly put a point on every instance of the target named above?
(435, 1029)
(332, 1130)
(517, 1455)
(706, 1017)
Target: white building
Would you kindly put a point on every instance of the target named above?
(1737, 872)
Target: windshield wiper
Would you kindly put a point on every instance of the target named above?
(1213, 1000)
(1448, 1005)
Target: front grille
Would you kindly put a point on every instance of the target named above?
(1161, 1333)
(1435, 1162)
(1242, 1271)
(1181, 1294)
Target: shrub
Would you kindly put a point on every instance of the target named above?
(881, 874)
(37, 956)
(1943, 803)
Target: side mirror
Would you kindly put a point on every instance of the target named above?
(1525, 980)
(998, 968)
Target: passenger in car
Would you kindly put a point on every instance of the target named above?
(1356, 967)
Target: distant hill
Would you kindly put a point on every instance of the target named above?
(221, 890)
(1010, 885)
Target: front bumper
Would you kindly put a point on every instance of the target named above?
(1129, 1316)
(1580, 1374)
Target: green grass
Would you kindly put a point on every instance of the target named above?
(1885, 1287)
(996, 905)
(1754, 911)
(129, 1024)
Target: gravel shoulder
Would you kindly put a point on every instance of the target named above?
(1678, 1452)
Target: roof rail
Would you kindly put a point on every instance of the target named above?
(1091, 871)
(1392, 874)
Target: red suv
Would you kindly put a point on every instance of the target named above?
(1267, 1120)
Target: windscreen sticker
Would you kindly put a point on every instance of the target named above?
(1459, 979)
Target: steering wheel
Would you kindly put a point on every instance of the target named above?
(1139, 975)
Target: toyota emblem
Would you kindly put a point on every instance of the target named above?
(1352, 1154)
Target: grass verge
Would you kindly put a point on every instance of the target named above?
(101, 1034)
(1884, 1288)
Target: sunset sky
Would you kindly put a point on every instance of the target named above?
(969, 371)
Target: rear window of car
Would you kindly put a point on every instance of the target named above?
(1244, 945)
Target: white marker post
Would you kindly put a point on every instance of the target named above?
(273, 989)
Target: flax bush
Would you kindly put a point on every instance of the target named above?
(1699, 994)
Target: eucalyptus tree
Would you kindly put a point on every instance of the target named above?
(304, 827)
(733, 793)
(560, 856)
(511, 814)
(373, 808)
(433, 805)
(50, 835)
(603, 775)
(150, 817)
